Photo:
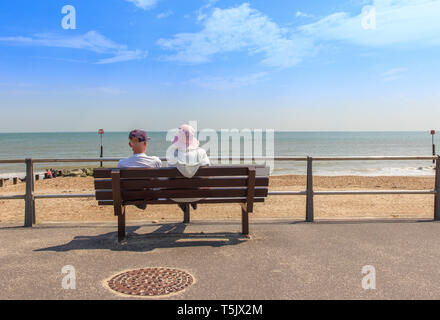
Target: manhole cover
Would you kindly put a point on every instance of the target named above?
(150, 281)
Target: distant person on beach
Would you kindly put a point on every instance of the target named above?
(186, 155)
(138, 143)
(49, 174)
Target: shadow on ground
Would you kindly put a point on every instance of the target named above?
(166, 236)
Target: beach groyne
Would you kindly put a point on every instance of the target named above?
(84, 172)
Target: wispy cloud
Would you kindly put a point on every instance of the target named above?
(303, 15)
(144, 4)
(402, 23)
(125, 55)
(202, 12)
(91, 41)
(238, 29)
(165, 14)
(227, 83)
(393, 74)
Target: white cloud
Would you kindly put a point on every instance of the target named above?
(165, 14)
(124, 55)
(144, 4)
(403, 23)
(201, 14)
(226, 83)
(393, 74)
(91, 41)
(399, 24)
(238, 29)
(303, 15)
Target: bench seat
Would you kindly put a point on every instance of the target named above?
(214, 184)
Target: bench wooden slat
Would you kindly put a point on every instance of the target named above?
(168, 201)
(181, 183)
(181, 193)
(171, 172)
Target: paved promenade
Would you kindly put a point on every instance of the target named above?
(282, 260)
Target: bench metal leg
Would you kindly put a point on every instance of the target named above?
(121, 226)
(245, 222)
(186, 214)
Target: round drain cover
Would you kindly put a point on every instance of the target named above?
(150, 281)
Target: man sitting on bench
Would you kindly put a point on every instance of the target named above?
(138, 143)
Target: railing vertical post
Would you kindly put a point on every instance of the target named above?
(309, 190)
(29, 211)
(437, 189)
(33, 198)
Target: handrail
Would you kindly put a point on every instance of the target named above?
(30, 197)
(280, 158)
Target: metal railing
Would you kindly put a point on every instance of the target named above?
(30, 196)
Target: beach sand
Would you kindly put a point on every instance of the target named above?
(326, 207)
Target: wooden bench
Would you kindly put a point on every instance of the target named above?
(215, 184)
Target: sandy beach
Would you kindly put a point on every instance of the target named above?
(326, 207)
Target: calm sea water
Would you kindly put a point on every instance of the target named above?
(85, 144)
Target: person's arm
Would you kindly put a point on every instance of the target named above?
(158, 162)
(204, 159)
(122, 163)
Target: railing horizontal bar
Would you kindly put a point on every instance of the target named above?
(62, 196)
(12, 161)
(374, 158)
(13, 196)
(372, 192)
(286, 193)
(77, 160)
(270, 193)
(164, 159)
(261, 158)
(317, 158)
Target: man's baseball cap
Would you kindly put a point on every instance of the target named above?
(141, 135)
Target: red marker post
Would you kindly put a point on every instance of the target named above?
(433, 145)
(101, 132)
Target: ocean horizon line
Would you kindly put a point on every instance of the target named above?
(286, 131)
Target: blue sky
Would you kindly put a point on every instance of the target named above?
(154, 64)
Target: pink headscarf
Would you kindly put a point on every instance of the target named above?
(185, 138)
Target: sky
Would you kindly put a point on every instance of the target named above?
(322, 65)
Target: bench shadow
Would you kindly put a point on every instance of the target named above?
(166, 236)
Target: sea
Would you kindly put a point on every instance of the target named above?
(115, 144)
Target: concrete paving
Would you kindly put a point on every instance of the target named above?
(281, 260)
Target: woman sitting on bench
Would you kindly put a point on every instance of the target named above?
(186, 155)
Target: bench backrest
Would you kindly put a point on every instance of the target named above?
(215, 184)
